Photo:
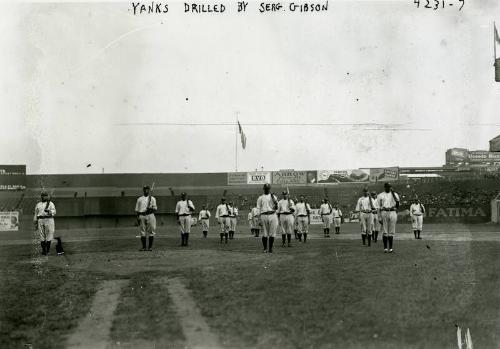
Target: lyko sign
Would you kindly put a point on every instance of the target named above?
(258, 177)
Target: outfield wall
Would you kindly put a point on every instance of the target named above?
(108, 200)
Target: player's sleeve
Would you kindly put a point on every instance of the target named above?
(199, 216)
(52, 209)
(192, 205)
(177, 208)
(208, 214)
(217, 212)
(153, 203)
(358, 204)
(137, 206)
(36, 213)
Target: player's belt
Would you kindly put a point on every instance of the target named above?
(286, 213)
(184, 215)
(145, 213)
(388, 209)
(43, 217)
(367, 211)
(325, 214)
(204, 218)
(417, 214)
(268, 213)
(302, 215)
(224, 216)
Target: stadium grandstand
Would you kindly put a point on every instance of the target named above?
(468, 179)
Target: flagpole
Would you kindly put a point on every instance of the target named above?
(494, 43)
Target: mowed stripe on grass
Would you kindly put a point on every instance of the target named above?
(93, 330)
(196, 330)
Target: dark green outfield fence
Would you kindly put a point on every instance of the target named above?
(108, 200)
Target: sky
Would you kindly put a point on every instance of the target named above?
(364, 84)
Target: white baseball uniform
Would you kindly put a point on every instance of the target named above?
(204, 218)
(147, 221)
(365, 208)
(266, 203)
(233, 218)
(285, 211)
(44, 213)
(183, 210)
(417, 212)
(388, 212)
(325, 210)
(302, 211)
(337, 217)
(222, 216)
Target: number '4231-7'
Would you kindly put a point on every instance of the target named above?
(438, 4)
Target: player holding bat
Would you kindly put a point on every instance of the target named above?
(44, 221)
(145, 209)
(183, 211)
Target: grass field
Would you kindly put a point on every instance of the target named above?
(323, 294)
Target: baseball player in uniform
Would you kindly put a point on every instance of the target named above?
(233, 219)
(183, 211)
(267, 204)
(388, 202)
(256, 221)
(296, 222)
(204, 218)
(325, 211)
(365, 208)
(337, 218)
(417, 211)
(44, 221)
(303, 216)
(145, 207)
(286, 208)
(222, 216)
(376, 218)
(250, 223)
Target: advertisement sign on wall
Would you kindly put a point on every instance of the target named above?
(237, 178)
(258, 177)
(343, 176)
(9, 221)
(384, 174)
(12, 177)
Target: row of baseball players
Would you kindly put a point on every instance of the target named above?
(380, 212)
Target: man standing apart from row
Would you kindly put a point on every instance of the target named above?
(417, 211)
(325, 211)
(267, 204)
(204, 218)
(145, 208)
(44, 221)
(286, 208)
(388, 202)
(303, 216)
(365, 208)
(183, 211)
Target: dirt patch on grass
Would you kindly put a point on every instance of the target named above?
(196, 330)
(93, 330)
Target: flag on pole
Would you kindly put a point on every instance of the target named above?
(497, 37)
(243, 136)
